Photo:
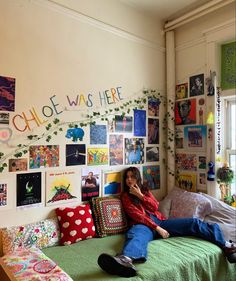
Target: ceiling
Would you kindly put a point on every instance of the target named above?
(165, 9)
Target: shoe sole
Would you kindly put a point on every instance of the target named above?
(111, 266)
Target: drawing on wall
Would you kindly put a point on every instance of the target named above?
(139, 123)
(152, 154)
(151, 177)
(187, 181)
(153, 131)
(4, 118)
(116, 149)
(153, 106)
(185, 161)
(112, 183)
(123, 123)
(43, 156)
(181, 91)
(97, 156)
(98, 134)
(196, 83)
(75, 154)
(202, 162)
(28, 189)
(7, 93)
(195, 137)
(90, 183)
(75, 134)
(3, 194)
(18, 165)
(185, 112)
(61, 187)
(134, 150)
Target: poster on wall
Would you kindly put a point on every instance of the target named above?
(16, 165)
(116, 149)
(181, 91)
(7, 93)
(187, 181)
(152, 154)
(185, 112)
(151, 177)
(196, 83)
(195, 137)
(153, 131)
(29, 193)
(134, 150)
(123, 124)
(186, 161)
(61, 187)
(98, 134)
(112, 181)
(139, 123)
(97, 156)
(75, 154)
(43, 156)
(153, 106)
(90, 183)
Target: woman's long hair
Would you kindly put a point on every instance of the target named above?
(138, 178)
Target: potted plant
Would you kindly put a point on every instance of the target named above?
(225, 177)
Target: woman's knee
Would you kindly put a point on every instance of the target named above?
(139, 231)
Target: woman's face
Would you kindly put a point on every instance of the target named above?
(130, 179)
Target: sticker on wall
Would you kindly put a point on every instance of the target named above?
(116, 149)
(29, 193)
(152, 154)
(43, 156)
(7, 93)
(185, 112)
(181, 91)
(16, 165)
(186, 161)
(195, 137)
(134, 150)
(111, 183)
(196, 83)
(153, 131)
(75, 154)
(97, 156)
(187, 181)
(4, 118)
(123, 123)
(153, 106)
(151, 177)
(61, 187)
(98, 134)
(90, 183)
(139, 123)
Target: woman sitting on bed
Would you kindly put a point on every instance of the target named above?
(147, 223)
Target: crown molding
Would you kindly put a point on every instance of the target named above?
(190, 44)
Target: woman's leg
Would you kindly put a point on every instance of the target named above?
(137, 238)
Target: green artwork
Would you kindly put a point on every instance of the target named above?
(228, 66)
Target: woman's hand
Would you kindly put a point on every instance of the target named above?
(164, 234)
(135, 190)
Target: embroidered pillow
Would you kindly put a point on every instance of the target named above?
(76, 224)
(41, 234)
(109, 216)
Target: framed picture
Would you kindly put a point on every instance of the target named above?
(196, 85)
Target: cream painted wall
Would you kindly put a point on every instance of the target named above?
(52, 50)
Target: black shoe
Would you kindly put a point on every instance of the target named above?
(230, 253)
(118, 265)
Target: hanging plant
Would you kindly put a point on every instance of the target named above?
(225, 175)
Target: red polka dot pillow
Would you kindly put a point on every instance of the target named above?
(76, 224)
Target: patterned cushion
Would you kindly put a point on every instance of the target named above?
(109, 216)
(76, 224)
(41, 234)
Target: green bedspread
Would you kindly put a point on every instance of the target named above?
(173, 259)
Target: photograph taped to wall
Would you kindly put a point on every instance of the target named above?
(202, 162)
(16, 165)
(75, 154)
(134, 151)
(196, 83)
(29, 190)
(4, 118)
(181, 91)
(151, 177)
(185, 112)
(43, 156)
(97, 156)
(153, 106)
(7, 93)
(116, 149)
(98, 134)
(186, 161)
(152, 154)
(153, 131)
(139, 123)
(195, 137)
(90, 183)
(4, 185)
(123, 123)
(112, 182)
(187, 181)
(61, 187)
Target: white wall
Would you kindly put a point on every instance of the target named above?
(53, 50)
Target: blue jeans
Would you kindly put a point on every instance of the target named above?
(138, 236)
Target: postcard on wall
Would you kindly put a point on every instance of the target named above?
(187, 181)
(202, 178)
(20, 164)
(123, 124)
(153, 131)
(112, 182)
(43, 156)
(185, 112)
(202, 162)
(152, 154)
(75, 154)
(181, 91)
(29, 190)
(98, 134)
(61, 187)
(4, 118)
(195, 137)
(134, 151)
(4, 194)
(116, 149)
(196, 83)
(90, 183)
(153, 106)
(139, 123)
(7, 93)
(185, 161)
(151, 177)
(97, 156)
